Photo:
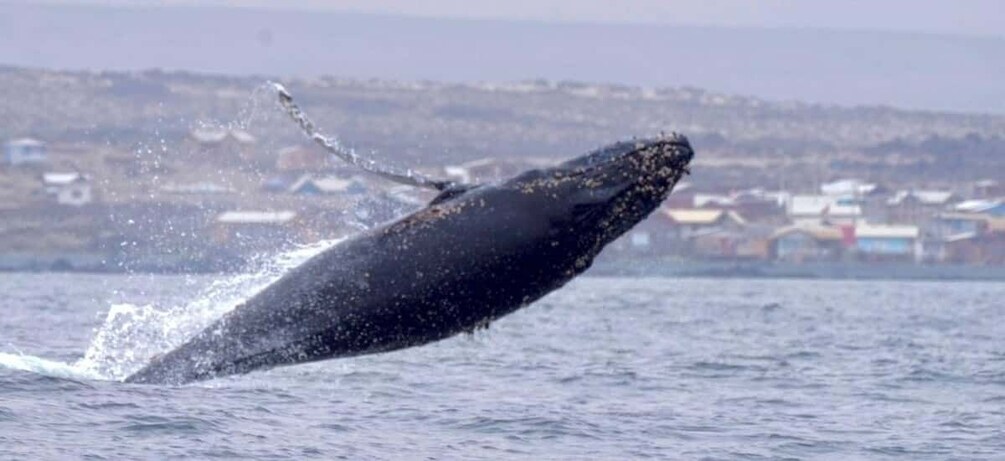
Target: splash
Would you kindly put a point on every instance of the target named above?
(45, 367)
(349, 155)
(132, 334)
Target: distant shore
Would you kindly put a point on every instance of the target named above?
(819, 270)
(96, 263)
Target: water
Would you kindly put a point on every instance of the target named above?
(607, 368)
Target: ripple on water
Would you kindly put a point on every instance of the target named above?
(605, 368)
(156, 425)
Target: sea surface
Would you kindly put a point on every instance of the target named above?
(606, 368)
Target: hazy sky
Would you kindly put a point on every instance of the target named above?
(968, 17)
(786, 50)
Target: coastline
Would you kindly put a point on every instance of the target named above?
(603, 267)
(819, 270)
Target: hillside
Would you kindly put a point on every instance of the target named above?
(850, 67)
(741, 141)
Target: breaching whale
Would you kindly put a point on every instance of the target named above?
(474, 254)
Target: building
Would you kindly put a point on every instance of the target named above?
(887, 242)
(917, 206)
(703, 232)
(994, 207)
(232, 147)
(757, 205)
(71, 189)
(689, 222)
(809, 243)
(707, 200)
(965, 238)
(301, 158)
(197, 188)
(849, 188)
(213, 136)
(955, 224)
(255, 230)
(989, 189)
(329, 185)
(25, 151)
(819, 210)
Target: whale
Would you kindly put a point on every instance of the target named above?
(475, 253)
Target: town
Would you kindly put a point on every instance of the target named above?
(72, 223)
(142, 171)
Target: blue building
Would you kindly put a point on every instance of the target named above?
(24, 151)
(873, 242)
(811, 243)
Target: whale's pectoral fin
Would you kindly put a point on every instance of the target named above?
(332, 145)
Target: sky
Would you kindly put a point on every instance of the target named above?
(959, 17)
(947, 55)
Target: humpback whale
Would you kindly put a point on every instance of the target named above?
(476, 253)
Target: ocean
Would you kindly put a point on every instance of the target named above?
(605, 368)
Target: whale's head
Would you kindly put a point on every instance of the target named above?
(579, 206)
(613, 188)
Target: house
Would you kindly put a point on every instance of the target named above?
(705, 200)
(212, 136)
(196, 188)
(301, 158)
(758, 205)
(848, 188)
(809, 243)
(749, 242)
(24, 151)
(72, 189)
(887, 242)
(689, 222)
(228, 146)
(967, 238)
(255, 230)
(917, 206)
(953, 224)
(328, 185)
(989, 189)
(990, 207)
(817, 210)
(869, 197)
(702, 232)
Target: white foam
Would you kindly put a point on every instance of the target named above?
(132, 334)
(44, 366)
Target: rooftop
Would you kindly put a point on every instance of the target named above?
(701, 216)
(845, 187)
(977, 206)
(821, 205)
(212, 135)
(61, 179)
(817, 232)
(327, 184)
(25, 142)
(926, 197)
(884, 231)
(256, 217)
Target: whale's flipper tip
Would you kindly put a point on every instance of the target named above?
(284, 95)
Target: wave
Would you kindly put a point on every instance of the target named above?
(132, 334)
